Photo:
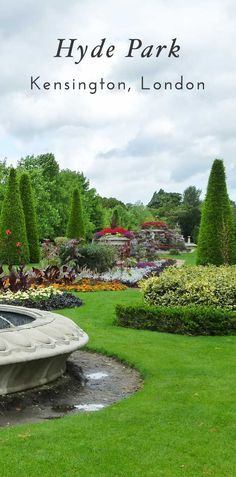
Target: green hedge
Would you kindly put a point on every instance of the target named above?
(184, 320)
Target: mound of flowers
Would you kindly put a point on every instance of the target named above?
(130, 276)
(89, 285)
(119, 231)
(46, 298)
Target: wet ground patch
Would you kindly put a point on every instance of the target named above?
(91, 382)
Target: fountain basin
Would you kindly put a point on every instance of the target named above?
(34, 346)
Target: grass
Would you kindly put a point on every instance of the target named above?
(189, 258)
(181, 423)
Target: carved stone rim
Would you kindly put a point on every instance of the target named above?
(50, 334)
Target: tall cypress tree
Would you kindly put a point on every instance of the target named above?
(14, 247)
(75, 227)
(216, 240)
(30, 217)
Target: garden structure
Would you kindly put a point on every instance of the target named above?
(34, 347)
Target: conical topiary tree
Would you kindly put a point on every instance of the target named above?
(115, 219)
(14, 247)
(75, 227)
(216, 240)
(30, 217)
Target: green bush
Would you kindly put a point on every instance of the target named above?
(98, 258)
(199, 285)
(59, 241)
(190, 320)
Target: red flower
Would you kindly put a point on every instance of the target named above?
(8, 232)
(154, 223)
(18, 244)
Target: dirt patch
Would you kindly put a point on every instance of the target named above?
(91, 382)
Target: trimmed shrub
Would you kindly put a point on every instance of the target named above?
(30, 217)
(59, 241)
(190, 320)
(75, 227)
(14, 248)
(98, 258)
(216, 239)
(211, 286)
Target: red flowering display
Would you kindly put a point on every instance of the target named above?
(8, 232)
(154, 224)
(116, 231)
(18, 244)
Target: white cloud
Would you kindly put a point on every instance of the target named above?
(128, 145)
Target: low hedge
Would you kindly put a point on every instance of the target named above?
(184, 320)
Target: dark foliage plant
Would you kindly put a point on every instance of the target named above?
(17, 278)
(184, 320)
(53, 274)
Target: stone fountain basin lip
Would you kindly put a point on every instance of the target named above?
(50, 334)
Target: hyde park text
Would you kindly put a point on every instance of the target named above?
(72, 48)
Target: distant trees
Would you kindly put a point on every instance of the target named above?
(30, 217)
(162, 199)
(13, 237)
(75, 227)
(175, 208)
(216, 243)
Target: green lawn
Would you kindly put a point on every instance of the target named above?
(181, 423)
(189, 258)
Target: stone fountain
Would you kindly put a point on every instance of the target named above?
(34, 346)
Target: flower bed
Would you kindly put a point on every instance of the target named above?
(89, 285)
(119, 231)
(44, 298)
(130, 276)
(154, 224)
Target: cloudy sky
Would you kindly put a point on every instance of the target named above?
(127, 144)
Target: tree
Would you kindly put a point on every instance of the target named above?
(14, 247)
(75, 227)
(115, 222)
(189, 220)
(165, 199)
(30, 217)
(189, 213)
(191, 197)
(216, 241)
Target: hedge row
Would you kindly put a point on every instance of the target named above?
(184, 320)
